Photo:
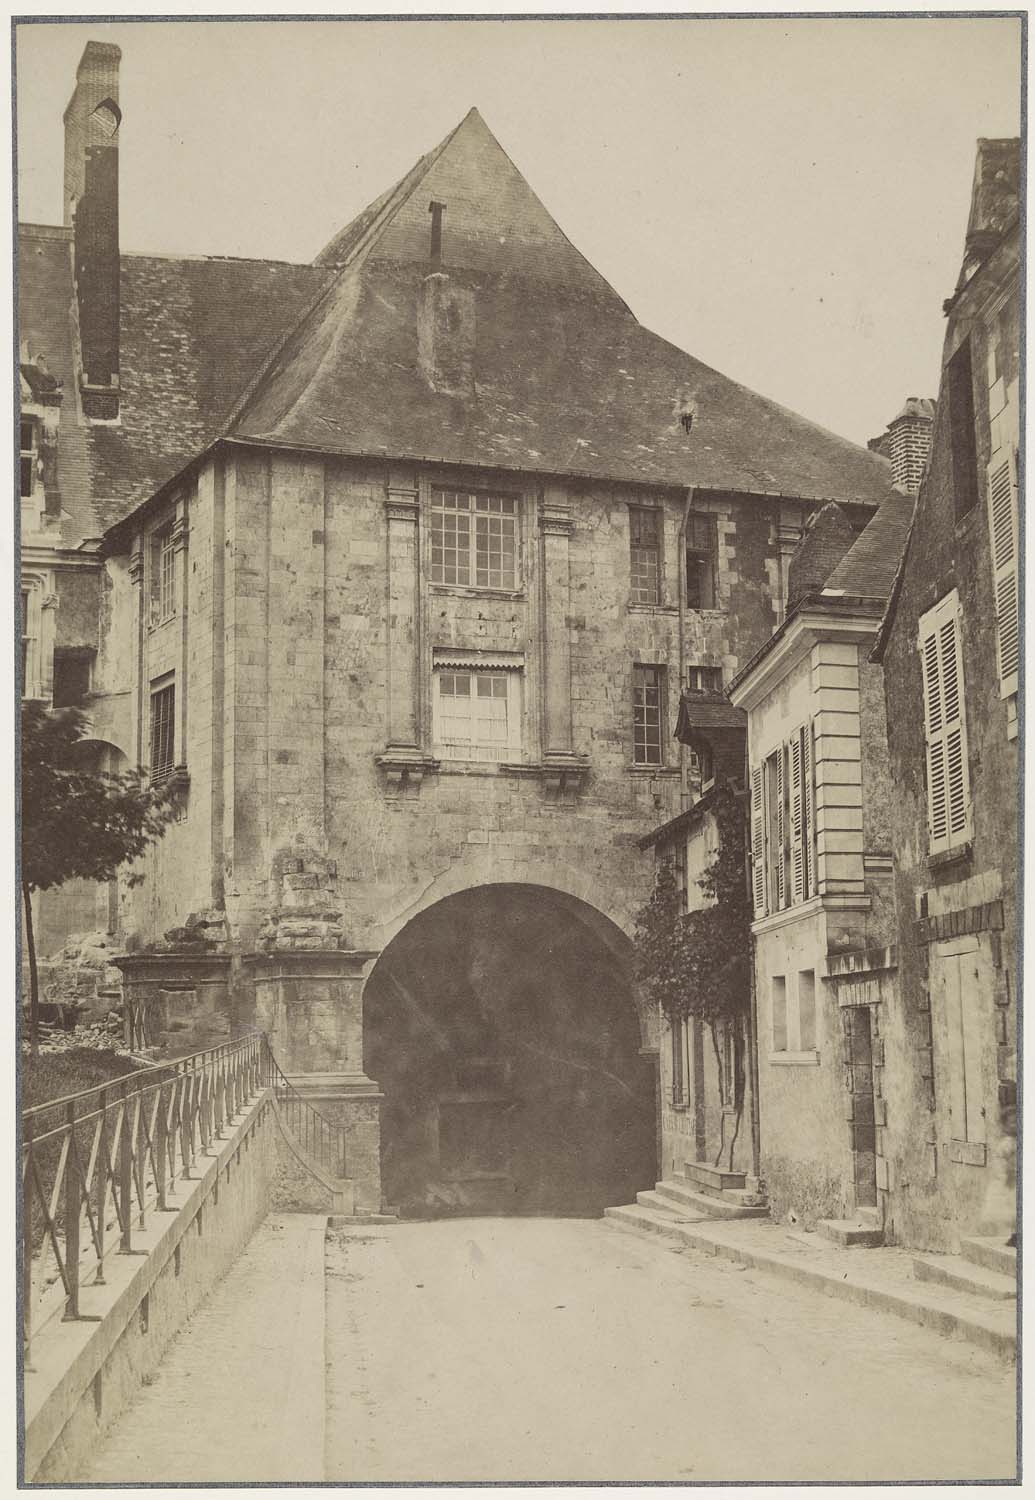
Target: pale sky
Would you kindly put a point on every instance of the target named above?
(785, 199)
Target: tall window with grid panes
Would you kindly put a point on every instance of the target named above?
(474, 536)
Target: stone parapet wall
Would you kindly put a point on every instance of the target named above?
(84, 1374)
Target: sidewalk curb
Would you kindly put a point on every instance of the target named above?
(928, 1308)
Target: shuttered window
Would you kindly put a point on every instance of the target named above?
(948, 780)
(1002, 527)
(757, 842)
(783, 862)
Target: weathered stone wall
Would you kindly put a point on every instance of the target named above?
(285, 576)
(936, 1197)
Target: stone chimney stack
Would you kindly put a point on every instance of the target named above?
(907, 442)
(92, 122)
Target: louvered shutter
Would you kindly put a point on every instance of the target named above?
(757, 842)
(779, 862)
(797, 818)
(1002, 526)
(948, 788)
(808, 839)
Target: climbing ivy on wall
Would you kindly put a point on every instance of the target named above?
(699, 963)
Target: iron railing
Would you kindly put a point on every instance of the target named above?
(321, 1139)
(97, 1163)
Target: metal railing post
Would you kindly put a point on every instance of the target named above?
(72, 1207)
(26, 1267)
(125, 1170)
(101, 1185)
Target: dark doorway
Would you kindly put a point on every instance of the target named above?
(501, 1025)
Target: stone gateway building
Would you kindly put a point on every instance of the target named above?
(396, 565)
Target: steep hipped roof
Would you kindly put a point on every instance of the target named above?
(512, 351)
(193, 330)
(867, 570)
(863, 579)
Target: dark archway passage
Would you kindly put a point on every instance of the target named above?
(502, 1027)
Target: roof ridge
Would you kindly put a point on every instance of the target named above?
(385, 207)
(392, 202)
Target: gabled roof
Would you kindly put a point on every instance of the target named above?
(511, 351)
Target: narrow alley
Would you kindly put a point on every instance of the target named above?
(547, 1349)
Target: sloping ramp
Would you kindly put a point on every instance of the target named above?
(239, 1396)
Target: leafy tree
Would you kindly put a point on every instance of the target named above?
(699, 963)
(75, 822)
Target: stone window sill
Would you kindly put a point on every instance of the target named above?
(968, 1153)
(648, 771)
(680, 1105)
(960, 854)
(653, 609)
(795, 1059)
(470, 591)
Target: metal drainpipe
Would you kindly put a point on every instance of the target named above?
(756, 1130)
(684, 762)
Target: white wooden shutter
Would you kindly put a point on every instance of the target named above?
(948, 782)
(808, 838)
(779, 862)
(1002, 526)
(757, 842)
(797, 818)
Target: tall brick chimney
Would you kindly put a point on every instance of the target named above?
(907, 442)
(92, 122)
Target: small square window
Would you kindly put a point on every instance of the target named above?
(704, 679)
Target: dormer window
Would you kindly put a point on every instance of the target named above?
(28, 444)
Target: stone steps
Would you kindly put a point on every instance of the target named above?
(964, 1276)
(680, 1197)
(992, 1254)
(704, 1178)
(860, 1233)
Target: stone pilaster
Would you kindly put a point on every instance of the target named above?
(564, 767)
(838, 761)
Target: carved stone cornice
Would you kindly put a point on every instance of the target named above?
(402, 504)
(555, 519)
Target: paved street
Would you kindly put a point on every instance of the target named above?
(534, 1349)
(524, 1349)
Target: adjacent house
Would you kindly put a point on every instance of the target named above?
(395, 566)
(821, 842)
(950, 652)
